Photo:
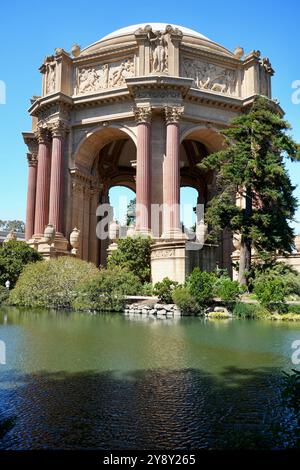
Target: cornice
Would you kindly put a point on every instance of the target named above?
(106, 53)
(46, 102)
(201, 53)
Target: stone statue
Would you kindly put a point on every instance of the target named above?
(159, 51)
(51, 74)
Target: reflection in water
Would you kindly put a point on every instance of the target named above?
(83, 381)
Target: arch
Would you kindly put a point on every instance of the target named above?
(97, 138)
(209, 136)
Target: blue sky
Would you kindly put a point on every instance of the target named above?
(33, 29)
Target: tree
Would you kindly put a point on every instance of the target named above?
(133, 254)
(15, 225)
(131, 212)
(14, 256)
(252, 166)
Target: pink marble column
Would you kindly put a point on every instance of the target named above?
(171, 175)
(143, 170)
(31, 192)
(43, 182)
(55, 202)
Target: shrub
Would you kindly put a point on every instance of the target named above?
(51, 283)
(201, 286)
(133, 254)
(184, 300)
(4, 294)
(107, 290)
(229, 291)
(271, 293)
(164, 290)
(243, 310)
(294, 308)
(147, 289)
(14, 256)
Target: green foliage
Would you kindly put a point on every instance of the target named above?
(252, 164)
(271, 269)
(271, 293)
(201, 286)
(51, 283)
(147, 288)
(4, 294)
(164, 290)
(131, 212)
(107, 290)
(294, 308)
(133, 254)
(229, 291)
(184, 300)
(244, 310)
(14, 255)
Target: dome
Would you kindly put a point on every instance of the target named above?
(126, 36)
(155, 27)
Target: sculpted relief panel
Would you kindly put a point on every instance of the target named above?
(209, 76)
(103, 76)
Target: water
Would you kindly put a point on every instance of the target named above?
(76, 381)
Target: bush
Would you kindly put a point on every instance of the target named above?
(271, 293)
(147, 289)
(243, 310)
(107, 290)
(133, 254)
(164, 290)
(14, 256)
(51, 283)
(201, 286)
(184, 300)
(4, 294)
(229, 291)
(294, 308)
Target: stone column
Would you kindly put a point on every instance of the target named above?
(43, 182)
(58, 130)
(171, 175)
(31, 192)
(143, 170)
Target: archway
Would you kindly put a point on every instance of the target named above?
(104, 159)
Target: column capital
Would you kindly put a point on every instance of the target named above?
(58, 129)
(42, 135)
(32, 159)
(173, 114)
(143, 114)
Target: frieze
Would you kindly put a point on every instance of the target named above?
(161, 94)
(209, 76)
(167, 253)
(103, 76)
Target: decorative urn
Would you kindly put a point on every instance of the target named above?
(11, 236)
(236, 241)
(130, 231)
(201, 232)
(76, 49)
(74, 240)
(114, 230)
(49, 234)
(297, 242)
(239, 52)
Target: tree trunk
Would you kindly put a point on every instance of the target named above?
(245, 260)
(246, 243)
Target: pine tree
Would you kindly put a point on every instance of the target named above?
(251, 166)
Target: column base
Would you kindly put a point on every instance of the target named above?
(174, 234)
(143, 232)
(58, 247)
